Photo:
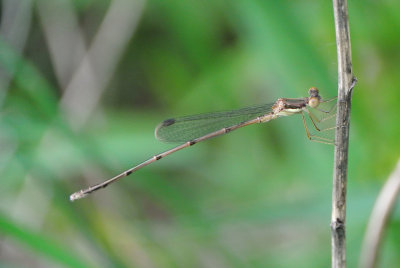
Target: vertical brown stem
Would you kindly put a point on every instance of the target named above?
(346, 82)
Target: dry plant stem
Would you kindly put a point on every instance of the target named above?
(378, 220)
(346, 82)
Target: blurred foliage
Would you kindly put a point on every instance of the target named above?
(259, 197)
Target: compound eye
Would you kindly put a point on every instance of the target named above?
(313, 92)
(313, 102)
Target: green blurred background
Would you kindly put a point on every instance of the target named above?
(84, 83)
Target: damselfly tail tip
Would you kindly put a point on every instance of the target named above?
(78, 195)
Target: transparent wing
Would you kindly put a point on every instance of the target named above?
(187, 128)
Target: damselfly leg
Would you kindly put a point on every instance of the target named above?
(323, 119)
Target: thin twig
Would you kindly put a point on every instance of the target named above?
(379, 217)
(346, 82)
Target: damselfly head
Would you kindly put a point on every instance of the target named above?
(314, 97)
(313, 92)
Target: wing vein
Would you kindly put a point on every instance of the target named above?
(187, 128)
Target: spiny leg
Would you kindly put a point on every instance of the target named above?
(332, 108)
(314, 117)
(305, 126)
(311, 115)
(325, 141)
(328, 100)
(316, 138)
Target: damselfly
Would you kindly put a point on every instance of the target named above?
(196, 128)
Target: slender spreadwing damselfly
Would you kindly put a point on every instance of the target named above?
(196, 128)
